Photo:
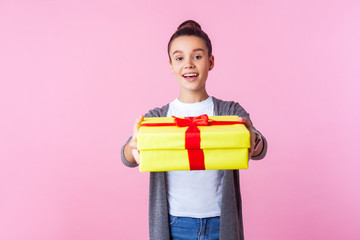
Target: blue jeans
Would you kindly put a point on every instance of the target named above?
(187, 228)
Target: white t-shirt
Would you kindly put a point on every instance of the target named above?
(194, 193)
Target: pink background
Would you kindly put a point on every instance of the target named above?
(75, 74)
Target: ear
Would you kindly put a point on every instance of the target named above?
(171, 66)
(211, 65)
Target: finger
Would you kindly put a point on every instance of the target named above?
(138, 123)
(253, 137)
(137, 126)
(250, 154)
(248, 125)
(246, 122)
(133, 143)
(140, 119)
(252, 142)
(136, 155)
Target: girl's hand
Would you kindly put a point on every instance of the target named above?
(248, 125)
(133, 141)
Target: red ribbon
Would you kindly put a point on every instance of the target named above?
(192, 136)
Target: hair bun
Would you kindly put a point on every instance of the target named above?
(189, 23)
(191, 28)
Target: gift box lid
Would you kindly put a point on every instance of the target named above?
(212, 136)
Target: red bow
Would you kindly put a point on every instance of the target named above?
(192, 134)
(202, 120)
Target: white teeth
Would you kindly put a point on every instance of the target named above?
(191, 75)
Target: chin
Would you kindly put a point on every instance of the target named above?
(194, 88)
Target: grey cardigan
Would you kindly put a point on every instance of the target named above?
(231, 223)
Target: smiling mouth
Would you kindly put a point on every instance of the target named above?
(190, 75)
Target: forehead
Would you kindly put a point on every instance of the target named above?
(187, 44)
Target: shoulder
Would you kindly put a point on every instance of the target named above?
(158, 111)
(222, 107)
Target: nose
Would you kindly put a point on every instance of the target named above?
(189, 64)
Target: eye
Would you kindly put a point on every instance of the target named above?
(197, 57)
(179, 58)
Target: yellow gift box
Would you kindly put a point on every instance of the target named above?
(193, 143)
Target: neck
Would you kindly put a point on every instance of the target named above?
(193, 97)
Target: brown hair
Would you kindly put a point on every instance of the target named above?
(191, 28)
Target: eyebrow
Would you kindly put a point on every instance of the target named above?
(194, 50)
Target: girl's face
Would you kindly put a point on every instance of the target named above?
(190, 62)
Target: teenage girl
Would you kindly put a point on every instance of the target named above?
(194, 204)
